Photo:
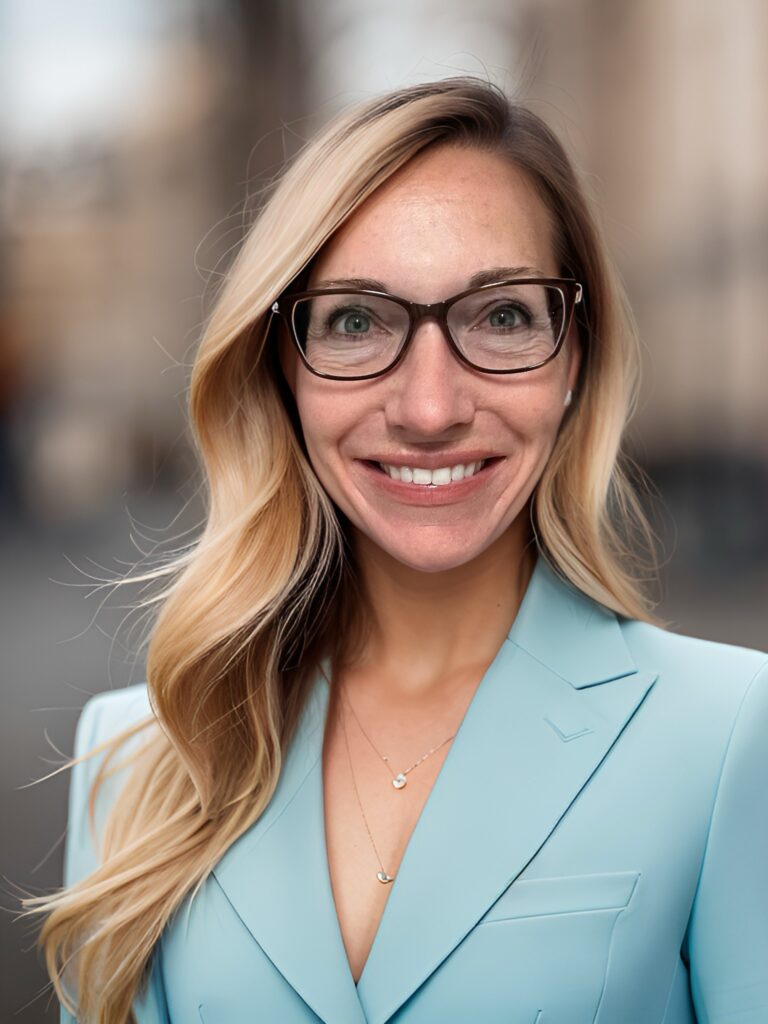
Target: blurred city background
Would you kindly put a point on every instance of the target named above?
(135, 139)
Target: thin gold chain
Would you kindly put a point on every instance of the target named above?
(397, 780)
(382, 876)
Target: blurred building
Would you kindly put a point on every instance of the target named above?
(665, 104)
(114, 235)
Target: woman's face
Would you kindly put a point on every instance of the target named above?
(446, 216)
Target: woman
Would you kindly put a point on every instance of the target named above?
(413, 746)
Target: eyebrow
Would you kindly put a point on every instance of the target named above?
(489, 276)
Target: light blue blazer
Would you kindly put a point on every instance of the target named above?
(594, 851)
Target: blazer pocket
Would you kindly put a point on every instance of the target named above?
(563, 894)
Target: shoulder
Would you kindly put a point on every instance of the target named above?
(103, 717)
(705, 674)
(106, 714)
(707, 658)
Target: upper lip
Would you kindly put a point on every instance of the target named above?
(439, 461)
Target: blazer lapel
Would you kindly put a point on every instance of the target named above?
(558, 694)
(555, 699)
(277, 879)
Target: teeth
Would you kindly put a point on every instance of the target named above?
(433, 477)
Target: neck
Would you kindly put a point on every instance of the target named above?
(433, 631)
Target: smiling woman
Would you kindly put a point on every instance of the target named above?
(410, 742)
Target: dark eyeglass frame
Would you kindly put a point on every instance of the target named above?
(418, 311)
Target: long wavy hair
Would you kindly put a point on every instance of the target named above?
(270, 587)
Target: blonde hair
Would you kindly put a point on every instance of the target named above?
(269, 588)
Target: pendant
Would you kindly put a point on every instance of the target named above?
(399, 781)
(384, 877)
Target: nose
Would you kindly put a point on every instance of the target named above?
(430, 390)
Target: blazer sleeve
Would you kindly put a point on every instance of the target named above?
(103, 716)
(727, 938)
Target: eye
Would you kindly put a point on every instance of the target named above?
(349, 321)
(508, 316)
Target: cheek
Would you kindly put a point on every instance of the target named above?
(325, 419)
(548, 415)
(533, 409)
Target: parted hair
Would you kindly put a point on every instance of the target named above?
(269, 587)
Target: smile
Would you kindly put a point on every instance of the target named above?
(432, 487)
(432, 477)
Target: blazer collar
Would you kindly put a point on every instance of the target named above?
(569, 633)
(541, 712)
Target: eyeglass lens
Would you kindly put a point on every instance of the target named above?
(507, 327)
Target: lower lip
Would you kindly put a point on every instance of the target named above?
(430, 494)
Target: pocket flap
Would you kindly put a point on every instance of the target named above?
(564, 894)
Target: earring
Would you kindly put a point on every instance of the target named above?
(568, 397)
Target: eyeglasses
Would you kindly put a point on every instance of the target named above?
(505, 327)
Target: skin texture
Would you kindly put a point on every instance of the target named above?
(446, 580)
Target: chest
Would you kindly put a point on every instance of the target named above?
(368, 823)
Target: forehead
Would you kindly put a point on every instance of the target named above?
(449, 213)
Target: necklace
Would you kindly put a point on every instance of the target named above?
(381, 874)
(398, 781)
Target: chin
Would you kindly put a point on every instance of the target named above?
(437, 555)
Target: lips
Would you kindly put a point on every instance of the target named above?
(429, 494)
